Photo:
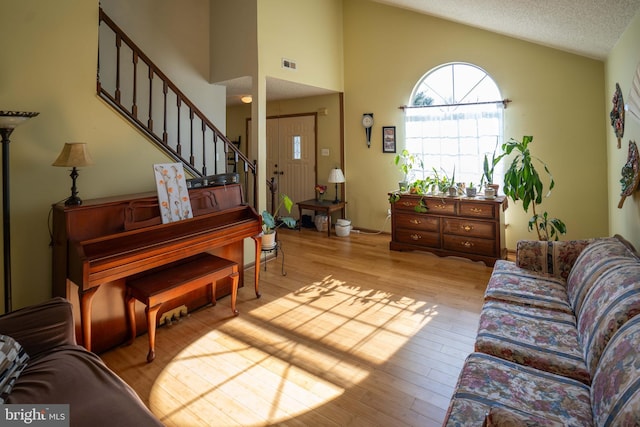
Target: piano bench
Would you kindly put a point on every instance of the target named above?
(159, 285)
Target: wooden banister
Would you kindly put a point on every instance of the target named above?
(122, 86)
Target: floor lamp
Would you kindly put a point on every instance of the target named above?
(9, 120)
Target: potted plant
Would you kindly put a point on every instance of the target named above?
(488, 168)
(406, 162)
(442, 181)
(270, 224)
(522, 182)
(471, 190)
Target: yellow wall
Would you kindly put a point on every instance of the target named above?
(306, 31)
(50, 67)
(620, 68)
(234, 40)
(557, 98)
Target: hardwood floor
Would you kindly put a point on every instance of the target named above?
(353, 335)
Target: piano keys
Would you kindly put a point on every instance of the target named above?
(100, 243)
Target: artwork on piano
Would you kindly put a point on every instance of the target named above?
(173, 195)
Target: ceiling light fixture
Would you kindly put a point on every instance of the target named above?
(246, 99)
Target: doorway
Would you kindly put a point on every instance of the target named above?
(291, 157)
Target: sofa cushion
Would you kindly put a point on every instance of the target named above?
(96, 396)
(503, 417)
(42, 327)
(550, 257)
(536, 337)
(511, 283)
(13, 359)
(593, 261)
(615, 391)
(613, 299)
(487, 381)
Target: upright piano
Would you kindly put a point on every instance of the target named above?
(98, 244)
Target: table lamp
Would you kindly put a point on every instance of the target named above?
(336, 177)
(74, 155)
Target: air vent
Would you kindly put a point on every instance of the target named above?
(289, 64)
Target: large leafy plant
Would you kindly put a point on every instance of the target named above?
(269, 222)
(523, 182)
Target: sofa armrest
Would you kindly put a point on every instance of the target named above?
(40, 327)
(550, 257)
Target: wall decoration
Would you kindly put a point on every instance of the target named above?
(173, 195)
(630, 173)
(388, 139)
(633, 101)
(617, 114)
(367, 122)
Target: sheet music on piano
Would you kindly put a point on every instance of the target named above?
(173, 195)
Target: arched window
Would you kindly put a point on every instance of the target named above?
(454, 118)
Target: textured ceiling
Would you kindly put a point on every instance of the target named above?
(586, 27)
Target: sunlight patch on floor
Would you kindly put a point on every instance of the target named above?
(236, 366)
(341, 330)
(355, 319)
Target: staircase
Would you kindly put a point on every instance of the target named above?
(135, 87)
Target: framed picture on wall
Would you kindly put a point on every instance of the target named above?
(388, 139)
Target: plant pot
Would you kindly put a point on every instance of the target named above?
(489, 193)
(269, 240)
(453, 191)
(471, 192)
(403, 186)
(495, 187)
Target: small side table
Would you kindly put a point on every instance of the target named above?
(277, 247)
(324, 206)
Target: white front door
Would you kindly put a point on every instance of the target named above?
(291, 157)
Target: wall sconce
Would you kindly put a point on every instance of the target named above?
(246, 99)
(8, 122)
(73, 155)
(336, 177)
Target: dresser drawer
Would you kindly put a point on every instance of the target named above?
(469, 227)
(471, 245)
(478, 210)
(406, 204)
(435, 205)
(418, 237)
(417, 221)
(441, 206)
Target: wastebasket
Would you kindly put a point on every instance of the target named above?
(343, 227)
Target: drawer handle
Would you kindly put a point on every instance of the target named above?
(416, 237)
(467, 244)
(407, 204)
(476, 210)
(441, 206)
(467, 227)
(415, 221)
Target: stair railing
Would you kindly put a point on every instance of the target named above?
(146, 97)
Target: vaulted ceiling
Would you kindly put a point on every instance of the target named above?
(589, 28)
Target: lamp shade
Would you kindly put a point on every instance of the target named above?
(336, 176)
(11, 119)
(74, 154)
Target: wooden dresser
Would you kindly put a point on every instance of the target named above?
(452, 226)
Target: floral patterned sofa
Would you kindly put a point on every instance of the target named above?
(558, 339)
